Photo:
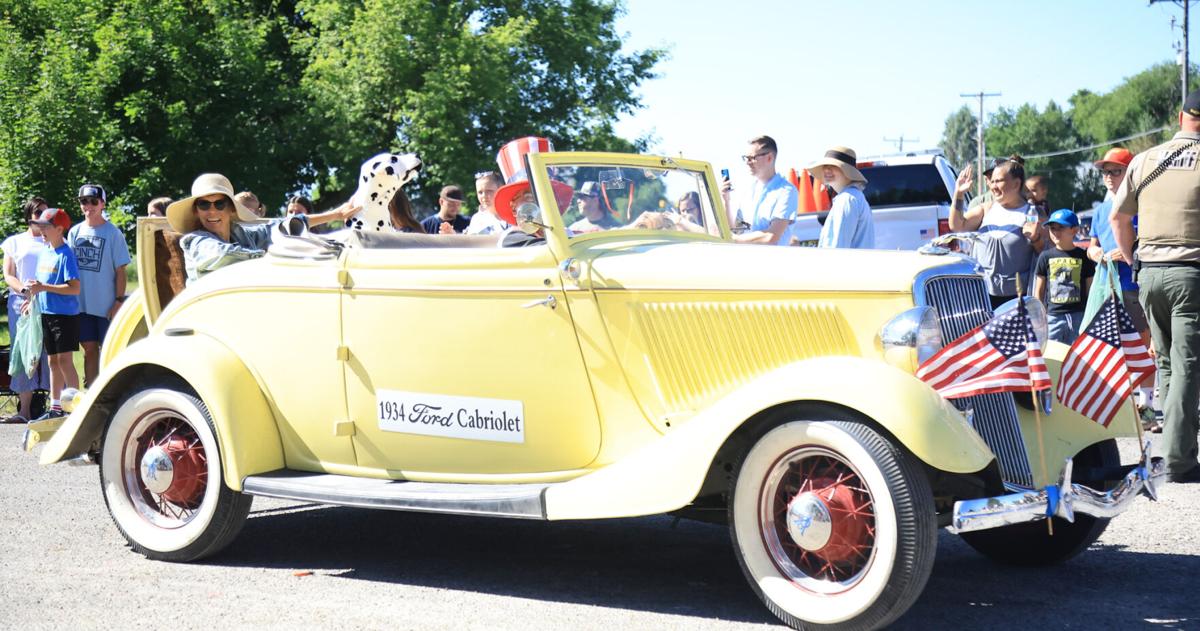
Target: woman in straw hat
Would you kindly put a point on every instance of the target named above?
(849, 224)
(218, 230)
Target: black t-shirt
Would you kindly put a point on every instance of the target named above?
(433, 224)
(1065, 273)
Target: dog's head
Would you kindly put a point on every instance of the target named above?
(378, 180)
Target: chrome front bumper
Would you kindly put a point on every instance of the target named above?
(1062, 500)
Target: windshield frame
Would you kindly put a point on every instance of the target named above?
(540, 163)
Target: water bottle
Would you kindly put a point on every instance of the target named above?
(1031, 214)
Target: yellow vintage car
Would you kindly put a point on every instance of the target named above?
(655, 367)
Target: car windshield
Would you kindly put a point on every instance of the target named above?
(905, 185)
(613, 197)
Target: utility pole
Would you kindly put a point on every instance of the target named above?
(1181, 48)
(981, 95)
(900, 142)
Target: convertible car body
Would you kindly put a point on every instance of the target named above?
(656, 367)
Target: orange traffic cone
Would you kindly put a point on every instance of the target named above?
(806, 204)
(793, 178)
(822, 201)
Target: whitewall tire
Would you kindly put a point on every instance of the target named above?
(160, 470)
(834, 526)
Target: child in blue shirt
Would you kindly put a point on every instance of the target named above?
(56, 290)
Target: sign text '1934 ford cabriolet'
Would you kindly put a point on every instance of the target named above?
(655, 367)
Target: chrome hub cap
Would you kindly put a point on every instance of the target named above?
(157, 470)
(808, 522)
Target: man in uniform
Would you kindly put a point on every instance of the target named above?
(1162, 187)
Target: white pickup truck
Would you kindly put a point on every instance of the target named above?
(910, 201)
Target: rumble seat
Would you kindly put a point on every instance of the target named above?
(169, 270)
(406, 240)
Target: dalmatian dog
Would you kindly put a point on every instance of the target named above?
(379, 179)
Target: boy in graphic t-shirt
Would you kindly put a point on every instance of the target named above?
(1064, 276)
(57, 289)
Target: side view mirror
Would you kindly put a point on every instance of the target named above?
(529, 217)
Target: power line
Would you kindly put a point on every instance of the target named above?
(1099, 144)
(900, 141)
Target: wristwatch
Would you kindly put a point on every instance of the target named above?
(120, 299)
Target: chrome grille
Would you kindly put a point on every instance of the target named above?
(963, 304)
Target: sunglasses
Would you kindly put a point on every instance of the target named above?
(204, 204)
(1113, 172)
(749, 159)
(482, 174)
(89, 201)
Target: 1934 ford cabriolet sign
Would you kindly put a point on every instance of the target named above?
(650, 368)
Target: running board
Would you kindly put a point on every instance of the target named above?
(522, 501)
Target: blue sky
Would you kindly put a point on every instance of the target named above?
(816, 74)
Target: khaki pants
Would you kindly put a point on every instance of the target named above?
(1171, 298)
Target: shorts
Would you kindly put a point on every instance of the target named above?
(92, 328)
(1064, 327)
(60, 333)
(1134, 308)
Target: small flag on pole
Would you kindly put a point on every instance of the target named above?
(1001, 355)
(1097, 371)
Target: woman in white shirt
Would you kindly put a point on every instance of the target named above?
(1013, 230)
(20, 266)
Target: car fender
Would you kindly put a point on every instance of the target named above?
(246, 429)
(127, 326)
(667, 474)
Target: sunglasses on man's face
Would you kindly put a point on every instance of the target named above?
(1113, 172)
(204, 204)
(89, 201)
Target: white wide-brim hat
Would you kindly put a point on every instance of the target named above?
(843, 158)
(180, 215)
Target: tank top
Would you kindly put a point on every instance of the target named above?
(1004, 253)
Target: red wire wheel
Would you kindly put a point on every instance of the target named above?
(166, 469)
(818, 520)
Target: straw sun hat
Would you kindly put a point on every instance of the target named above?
(843, 158)
(180, 215)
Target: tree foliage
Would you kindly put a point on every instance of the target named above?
(1146, 101)
(454, 81)
(959, 141)
(291, 95)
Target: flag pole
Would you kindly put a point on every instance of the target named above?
(1037, 412)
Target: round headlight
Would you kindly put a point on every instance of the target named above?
(917, 329)
(1037, 317)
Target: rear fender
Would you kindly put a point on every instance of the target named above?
(667, 474)
(246, 429)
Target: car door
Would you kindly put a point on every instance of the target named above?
(464, 361)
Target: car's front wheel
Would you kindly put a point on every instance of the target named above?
(834, 525)
(160, 470)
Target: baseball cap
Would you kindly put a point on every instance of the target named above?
(1191, 105)
(1116, 155)
(452, 192)
(54, 216)
(1063, 217)
(92, 190)
(589, 189)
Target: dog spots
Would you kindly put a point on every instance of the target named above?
(390, 171)
(380, 224)
(395, 159)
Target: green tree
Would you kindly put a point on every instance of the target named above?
(1145, 101)
(453, 82)
(143, 95)
(1026, 131)
(959, 138)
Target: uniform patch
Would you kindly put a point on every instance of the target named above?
(1185, 161)
(470, 418)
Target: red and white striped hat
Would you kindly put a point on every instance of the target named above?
(511, 160)
(511, 157)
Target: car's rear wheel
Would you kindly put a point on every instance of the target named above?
(834, 525)
(1031, 544)
(160, 470)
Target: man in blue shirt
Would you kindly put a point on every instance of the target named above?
(102, 255)
(769, 207)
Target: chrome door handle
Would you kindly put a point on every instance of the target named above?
(548, 301)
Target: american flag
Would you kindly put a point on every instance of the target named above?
(1096, 373)
(1001, 355)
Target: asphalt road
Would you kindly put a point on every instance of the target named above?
(64, 565)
